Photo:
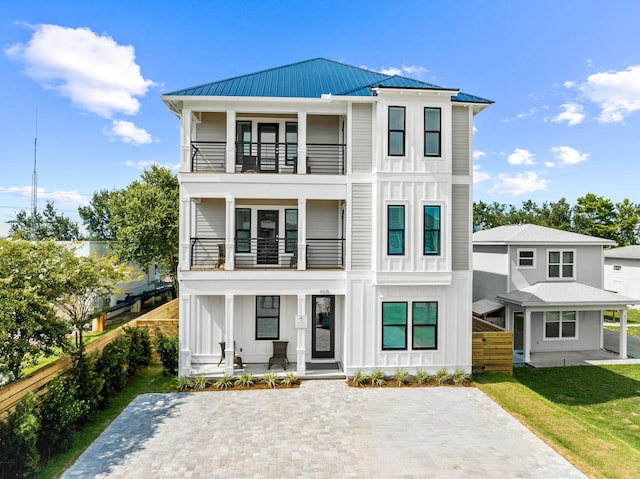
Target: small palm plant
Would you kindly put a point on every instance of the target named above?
(225, 382)
(377, 378)
(290, 379)
(460, 377)
(443, 376)
(423, 377)
(185, 383)
(360, 379)
(245, 379)
(271, 380)
(200, 383)
(401, 377)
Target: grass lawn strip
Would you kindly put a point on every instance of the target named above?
(592, 449)
(633, 331)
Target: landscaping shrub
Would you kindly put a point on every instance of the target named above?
(87, 380)
(60, 411)
(113, 367)
(19, 455)
(139, 349)
(167, 348)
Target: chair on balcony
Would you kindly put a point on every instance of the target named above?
(279, 355)
(250, 164)
(221, 256)
(237, 360)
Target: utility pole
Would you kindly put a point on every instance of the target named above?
(34, 184)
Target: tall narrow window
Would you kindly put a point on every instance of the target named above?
(425, 325)
(396, 130)
(394, 325)
(291, 141)
(267, 317)
(431, 230)
(395, 230)
(291, 230)
(432, 132)
(243, 140)
(243, 230)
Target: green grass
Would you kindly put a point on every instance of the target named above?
(633, 331)
(150, 380)
(633, 316)
(591, 415)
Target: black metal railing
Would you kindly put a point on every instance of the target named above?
(207, 253)
(208, 156)
(266, 253)
(325, 253)
(260, 157)
(325, 159)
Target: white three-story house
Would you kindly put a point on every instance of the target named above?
(330, 207)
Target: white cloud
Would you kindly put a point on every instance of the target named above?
(477, 154)
(520, 116)
(96, 73)
(479, 175)
(521, 157)
(573, 114)
(616, 93)
(128, 133)
(516, 185)
(549, 164)
(406, 69)
(391, 70)
(141, 165)
(568, 156)
(569, 84)
(59, 197)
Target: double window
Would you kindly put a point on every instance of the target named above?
(431, 230)
(432, 132)
(267, 317)
(397, 130)
(560, 325)
(395, 323)
(395, 230)
(561, 264)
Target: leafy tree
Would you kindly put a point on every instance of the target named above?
(97, 216)
(144, 220)
(628, 223)
(49, 224)
(595, 216)
(19, 455)
(555, 215)
(486, 216)
(32, 278)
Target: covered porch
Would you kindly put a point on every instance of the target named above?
(312, 370)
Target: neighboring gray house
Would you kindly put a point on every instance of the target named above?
(550, 283)
(622, 270)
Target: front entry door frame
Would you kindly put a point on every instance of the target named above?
(268, 151)
(268, 229)
(323, 327)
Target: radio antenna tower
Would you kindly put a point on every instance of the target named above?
(34, 184)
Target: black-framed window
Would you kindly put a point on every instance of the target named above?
(243, 230)
(432, 132)
(243, 140)
(394, 325)
(432, 226)
(561, 264)
(526, 258)
(396, 137)
(560, 325)
(424, 318)
(291, 142)
(267, 317)
(395, 230)
(290, 230)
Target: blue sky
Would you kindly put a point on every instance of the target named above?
(565, 76)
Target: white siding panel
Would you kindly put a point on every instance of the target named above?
(362, 141)
(460, 227)
(212, 128)
(361, 227)
(460, 148)
(323, 219)
(323, 129)
(210, 219)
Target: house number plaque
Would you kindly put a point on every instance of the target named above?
(301, 321)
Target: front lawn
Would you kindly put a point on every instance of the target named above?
(591, 415)
(633, 316)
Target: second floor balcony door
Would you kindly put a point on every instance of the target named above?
(267, 237)
(268, 147)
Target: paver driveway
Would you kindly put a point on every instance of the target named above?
(324, 429)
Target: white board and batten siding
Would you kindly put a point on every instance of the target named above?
(213, 127)
(460, 150)
(362, 138)
(460, 227)
(210, 218)
(361, 226)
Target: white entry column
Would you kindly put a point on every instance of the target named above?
(302, 323)
(623, 333)
(229, 350)
(527, 336)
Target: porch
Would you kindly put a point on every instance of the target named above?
(313, 370)
(577, 358)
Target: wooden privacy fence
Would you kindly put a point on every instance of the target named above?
(492, 351)
(164, 317)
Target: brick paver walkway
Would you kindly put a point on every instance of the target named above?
(324, 429)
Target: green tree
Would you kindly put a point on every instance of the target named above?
(144, 220)
(628, 222)
(595, 216)
(49, 224)
(555, 215)
(32, 279)
(97, 216)
(486, 216)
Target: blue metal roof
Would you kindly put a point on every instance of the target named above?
(312, 79)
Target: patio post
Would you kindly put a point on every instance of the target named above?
(230, 220)
(623, 333)
(301, 330)
(527, 336)
(229, 350)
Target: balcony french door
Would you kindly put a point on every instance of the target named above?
(323, 328)
(268, 147)
(267, 237)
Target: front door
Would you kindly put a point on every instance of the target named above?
(267, 237)
(323, 327)
(518, 330)
(268, 147)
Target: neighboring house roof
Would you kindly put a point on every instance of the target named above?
(625, 252)
(312, 79)
(561, 293)
(485, 306)
(533, 234)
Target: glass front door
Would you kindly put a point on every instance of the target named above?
(323, 327)
(267, 237)
(268, 147)
(518, 330)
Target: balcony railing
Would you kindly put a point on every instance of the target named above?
(208, 156)
(252, 157)
(267, 253)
